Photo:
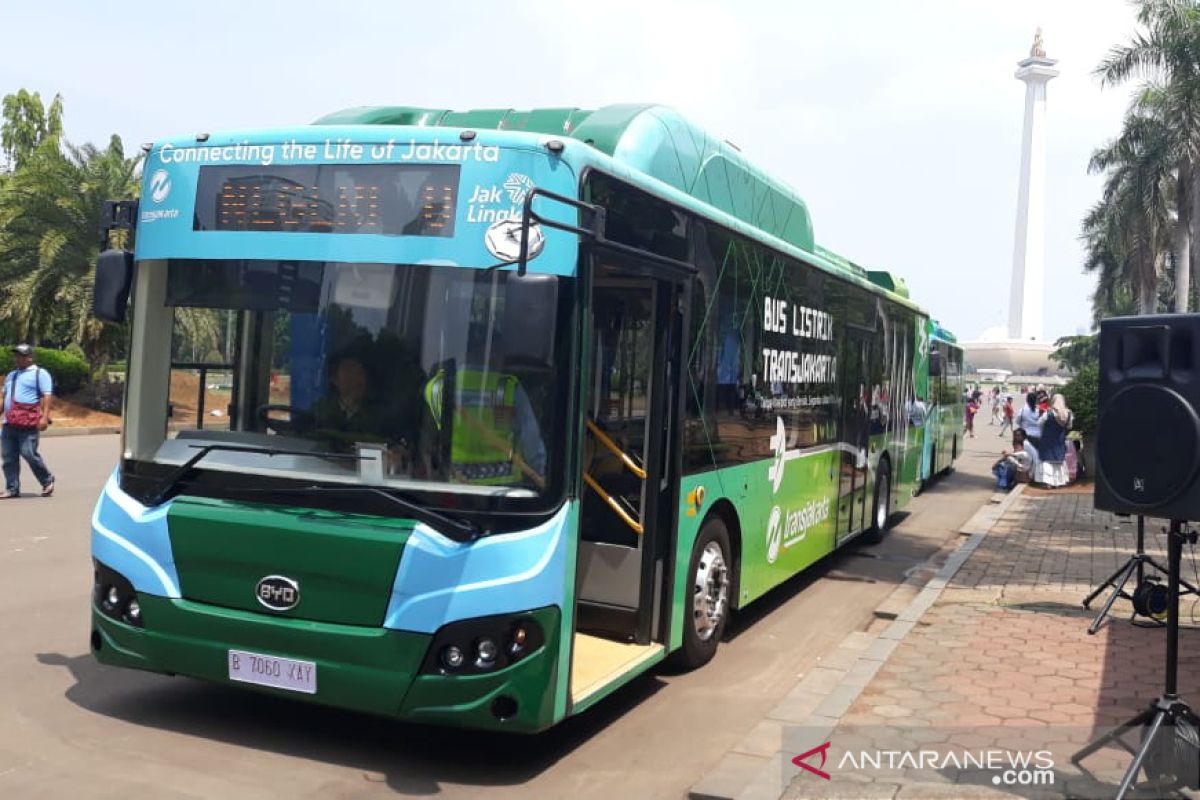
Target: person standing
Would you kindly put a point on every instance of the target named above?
(1006, 413)
(969, 416)
(27, 391)
(1052, 450)
(1030, 419)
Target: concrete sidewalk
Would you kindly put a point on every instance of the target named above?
(993, 656)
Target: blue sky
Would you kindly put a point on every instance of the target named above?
(899, 123)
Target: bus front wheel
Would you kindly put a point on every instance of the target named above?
(710, 571)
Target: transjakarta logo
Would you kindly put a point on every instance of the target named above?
(778, 444)
(160, 186)
(785, 529)
(518, 187)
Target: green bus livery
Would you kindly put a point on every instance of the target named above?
(471, 417)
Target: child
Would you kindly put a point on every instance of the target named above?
(1007, 412)
(971, 411)
(1019, 466)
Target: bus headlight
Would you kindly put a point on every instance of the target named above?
(483, 644)
(113, 595)
(452, 657)
(485, 653)
(520, 635)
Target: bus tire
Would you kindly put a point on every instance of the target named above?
(709, 574)
(881, 508)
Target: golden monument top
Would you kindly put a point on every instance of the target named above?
(1038, 50)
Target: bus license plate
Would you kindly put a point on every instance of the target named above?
(273, 671)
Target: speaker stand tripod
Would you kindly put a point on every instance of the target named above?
(1168, 709)
(1134, 567)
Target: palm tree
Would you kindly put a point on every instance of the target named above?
(49, 209)
(1166, 52)
(27, 123)
(1114, 294)
(1128, 232)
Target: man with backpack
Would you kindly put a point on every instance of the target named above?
(26, 392)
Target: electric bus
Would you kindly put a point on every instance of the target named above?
(945, 407)
(497, 409)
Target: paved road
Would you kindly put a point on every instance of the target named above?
(73, 728)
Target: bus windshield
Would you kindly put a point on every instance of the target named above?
(437, 378)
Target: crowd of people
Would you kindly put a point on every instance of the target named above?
(1038, 423)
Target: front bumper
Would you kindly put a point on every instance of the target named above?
(375, 670)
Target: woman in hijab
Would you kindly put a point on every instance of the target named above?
(1052, 449)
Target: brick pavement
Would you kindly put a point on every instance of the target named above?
(1002, 661)
(1055, 543)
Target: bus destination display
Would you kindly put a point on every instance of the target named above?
(391, 199)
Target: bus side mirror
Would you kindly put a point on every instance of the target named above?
(114, 277)
(530, 308)
(935, 365)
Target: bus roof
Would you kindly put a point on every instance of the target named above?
(936, 331)
(657, 142)
(651, 139)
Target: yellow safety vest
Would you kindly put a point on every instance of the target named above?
(481, 447)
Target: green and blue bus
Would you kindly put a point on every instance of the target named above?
(497, 409)
(945, 415)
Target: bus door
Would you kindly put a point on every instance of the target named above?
(854, 433)
(630, 453)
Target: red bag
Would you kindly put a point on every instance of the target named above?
(24, 415)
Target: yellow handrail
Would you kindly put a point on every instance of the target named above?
(613, 504)
(616, 450)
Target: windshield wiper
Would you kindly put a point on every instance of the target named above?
(459, 529)
(176, 476)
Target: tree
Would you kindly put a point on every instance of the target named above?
(26, 124)
(1077, 352)
(1166, 52)
(49, 243)
(1127, 233)
(1080, 394)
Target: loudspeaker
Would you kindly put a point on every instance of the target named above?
(1148, 432)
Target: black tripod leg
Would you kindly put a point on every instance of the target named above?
(1140, 756)
(1111, 580)
(1118, 590)
(1115, 736)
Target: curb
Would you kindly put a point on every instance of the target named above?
(52, 432)
(897, 602)
(102, 429)
(754, 768)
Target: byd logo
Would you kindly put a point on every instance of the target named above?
(823, 750)
(277, 592)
